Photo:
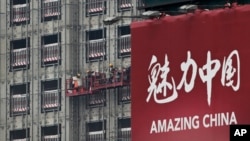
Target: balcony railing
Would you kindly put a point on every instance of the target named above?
(96, 136)
(51, 52)
(51, 8)
(125, 134)
(96, 48)
(20, 57)
(19, 103)
(124, 4)
(97, 99)
(50, 99)
(124, 44)
(25, 139)
(126, 96)
(51, 138)
(20, 12)
(95, 6)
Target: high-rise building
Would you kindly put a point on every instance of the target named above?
(47, 45)
(43, 44)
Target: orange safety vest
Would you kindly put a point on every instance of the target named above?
(75, 84)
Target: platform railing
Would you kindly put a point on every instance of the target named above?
(97, 81)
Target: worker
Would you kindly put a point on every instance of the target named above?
(89, 78)
(111, 67)
(74, 82)
(111, 73)
(77, 82)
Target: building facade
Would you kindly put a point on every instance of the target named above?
(43, 43)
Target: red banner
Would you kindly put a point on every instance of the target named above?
(190, 75)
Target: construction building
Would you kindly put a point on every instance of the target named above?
(45, 47)
(43, 44)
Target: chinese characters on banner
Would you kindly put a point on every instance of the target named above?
(190, 75)
(227, 73)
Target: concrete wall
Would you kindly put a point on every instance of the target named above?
(73, 114)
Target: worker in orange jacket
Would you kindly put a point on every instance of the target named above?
(76, 82)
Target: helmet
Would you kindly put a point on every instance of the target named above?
(110, 65)
(78, 75)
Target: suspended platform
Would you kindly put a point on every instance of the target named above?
(98, 81)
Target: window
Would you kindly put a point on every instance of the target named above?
(51, 10)
(98, 98)
(96, 131)
(51, 95)
(124, 41)
(96, 45)
(124, 94)
(51, 133)
(19, 99)
(20, 12)
(95, 7)
(124, 5)
(50, 99)
(20, 135)
(124, 129)
(51, 50)
(19, 54)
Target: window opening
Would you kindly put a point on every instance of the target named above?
(124, 41)
(124, 129)
(51, 50)
(98, 98)
(96, 131)
(20, 135)
(19, 103)
(124, 95)
(51, 133)
(96, 45)
(51, 10)
(20, 54)
(124, 5)
(95, 7)
(20, 12)
(51, 96)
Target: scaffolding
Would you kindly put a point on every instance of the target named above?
(98, 81)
